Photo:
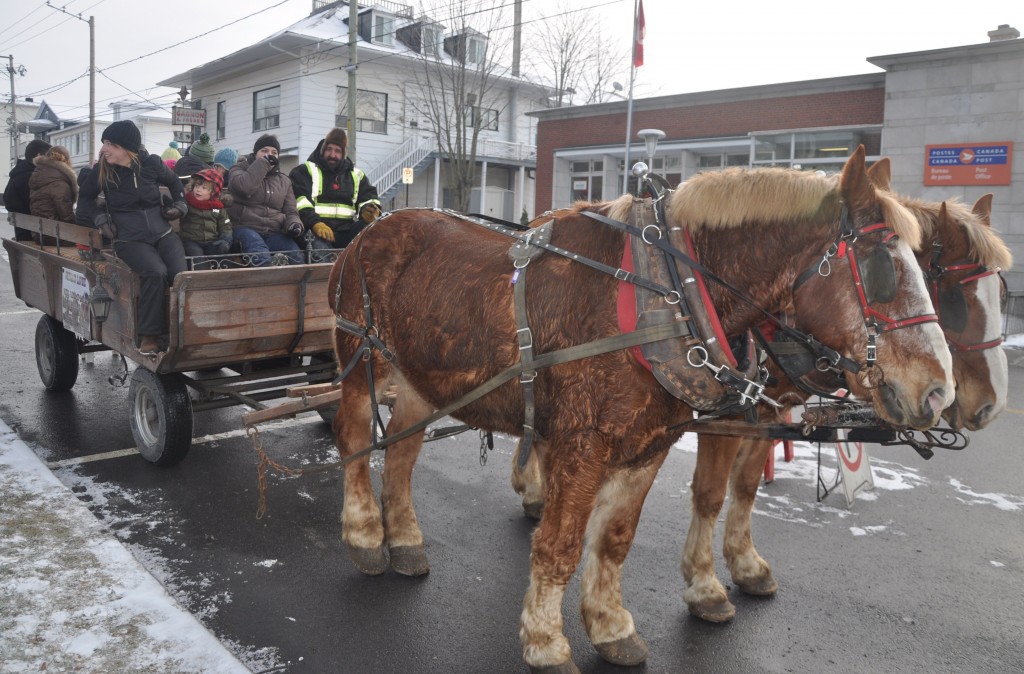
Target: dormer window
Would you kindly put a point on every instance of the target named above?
(476, 48)
(432, 36)
(383, 29)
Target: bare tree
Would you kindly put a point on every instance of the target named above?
(455, 90)
(570, 53)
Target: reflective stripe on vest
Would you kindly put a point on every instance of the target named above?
(333, 211)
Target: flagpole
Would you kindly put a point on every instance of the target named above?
(629, 103)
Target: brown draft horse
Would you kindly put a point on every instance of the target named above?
(968, 299)
(434, 290)
(966, 290)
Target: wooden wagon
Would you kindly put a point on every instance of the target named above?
(253, 332)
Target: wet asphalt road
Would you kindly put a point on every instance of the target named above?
(925, 576)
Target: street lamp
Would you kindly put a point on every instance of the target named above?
(651, 138)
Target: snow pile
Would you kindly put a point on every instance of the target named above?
(74, 599)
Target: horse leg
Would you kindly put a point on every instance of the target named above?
(529, 481)
(749, 571)
(609, 537)
(362, 528)
(705, 596)
(572, 486)
(402, 530)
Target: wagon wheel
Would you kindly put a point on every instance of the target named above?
(56, 355)
(161, 416)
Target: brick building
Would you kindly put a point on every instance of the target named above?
(923, 105)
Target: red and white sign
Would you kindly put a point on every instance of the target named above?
(968, 164)
(188, 116)
(854, 467)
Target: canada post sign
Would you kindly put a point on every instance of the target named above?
(968, 164)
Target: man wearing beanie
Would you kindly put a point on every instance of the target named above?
(17, 193)
(334, 198)
(263, 215)
(199, 157)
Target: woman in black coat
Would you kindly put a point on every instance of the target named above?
(130, 178)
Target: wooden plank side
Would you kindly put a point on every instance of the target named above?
(57, 229)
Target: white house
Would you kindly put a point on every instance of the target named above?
(295, 82)
(154, 125)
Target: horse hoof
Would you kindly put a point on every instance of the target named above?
(371, 561)
(409, 560)
(534, 509)
(567, 667)
(719, 612)
(627, 651)
(762, 587)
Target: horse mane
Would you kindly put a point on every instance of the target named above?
(984, 244)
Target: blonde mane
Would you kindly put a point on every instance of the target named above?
(985, 246)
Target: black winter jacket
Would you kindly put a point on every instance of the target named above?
(16, 194)
(133, 198)
(302, 184)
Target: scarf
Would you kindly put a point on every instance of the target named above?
(207, 205)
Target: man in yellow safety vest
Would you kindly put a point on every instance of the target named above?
(334, 198)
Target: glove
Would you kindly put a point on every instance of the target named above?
(271, 159)
(323, 231)
(167, 209)
(294, 229)
(369, 213)
(101, 220)
(220, 247)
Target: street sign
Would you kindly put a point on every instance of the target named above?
(854, 467)
(969, 164)
(188, 116)
(183, 136)
(407, 176)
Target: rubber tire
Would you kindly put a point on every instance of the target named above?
(56, 355)
(160, 414)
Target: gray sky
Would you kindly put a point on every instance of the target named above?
(690, 46)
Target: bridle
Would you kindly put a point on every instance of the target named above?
(934, 275)
(875, 321)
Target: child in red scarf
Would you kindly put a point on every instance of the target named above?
(206, 229)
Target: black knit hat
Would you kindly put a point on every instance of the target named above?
(266, 140)
(124, 133)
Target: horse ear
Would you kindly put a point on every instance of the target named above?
(880, 173)
(983, 209)
(858, 191)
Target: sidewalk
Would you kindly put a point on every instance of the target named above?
(73, 598)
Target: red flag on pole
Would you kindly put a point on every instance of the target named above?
(639, 29)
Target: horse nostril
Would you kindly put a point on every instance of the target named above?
(936, 400)
(982, 416)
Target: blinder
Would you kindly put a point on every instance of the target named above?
(952, 308)
(878, 275)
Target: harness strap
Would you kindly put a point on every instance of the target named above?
(598, 347)
(822, 351)
(525, 338)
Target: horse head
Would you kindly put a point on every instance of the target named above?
(835, 252)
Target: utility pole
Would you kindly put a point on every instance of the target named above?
(353, 64)
(92, 77)
(15, 139)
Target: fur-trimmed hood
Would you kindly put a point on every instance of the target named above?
(48, 170)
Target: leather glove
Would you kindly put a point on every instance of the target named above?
(323, 231)
(369, 213)
(271, 159)
(101, 220)
(220, 247)
(295, 229)
(167, 209)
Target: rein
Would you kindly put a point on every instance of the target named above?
(934, 275)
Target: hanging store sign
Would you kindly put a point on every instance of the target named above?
(188, 116)
(968, 164)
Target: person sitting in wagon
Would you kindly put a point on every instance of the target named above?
(263, 214)
(334, 198)
(135, 215)
(206, 229)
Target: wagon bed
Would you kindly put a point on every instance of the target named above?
(265, 329)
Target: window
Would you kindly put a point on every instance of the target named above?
(221, 119)
(383, 29)
(432, 40)
(475, 50)
(371, 110)
(266, 109)
(485, 118)
(587, 180)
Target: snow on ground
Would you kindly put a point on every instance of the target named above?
(73, 598)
